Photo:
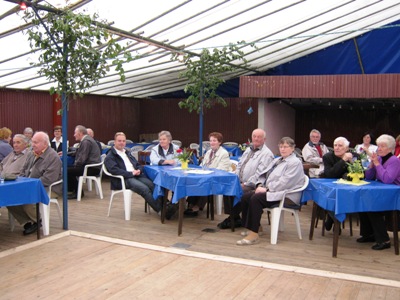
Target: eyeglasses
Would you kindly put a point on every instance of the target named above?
(284, 146)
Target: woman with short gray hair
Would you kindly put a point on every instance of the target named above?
(384, 167)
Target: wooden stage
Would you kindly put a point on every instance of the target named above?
(107, 257)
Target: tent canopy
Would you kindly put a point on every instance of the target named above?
(283, 31)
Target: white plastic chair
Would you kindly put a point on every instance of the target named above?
(218, 199)
(176, 142)
(135, 150)
(206, 146)
(89, 179)
(129, 141)
(277, 214)
(45, 210)
(110, 143)
(127, 194)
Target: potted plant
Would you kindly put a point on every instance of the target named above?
(356, 171)
(184, 157)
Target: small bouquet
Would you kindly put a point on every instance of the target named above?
(244, 146)
(356, 170)
(184, 155)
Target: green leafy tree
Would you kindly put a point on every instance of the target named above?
(76, 50)
(205, 74)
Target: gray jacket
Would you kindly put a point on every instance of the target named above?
(288, 175)
(255, 165)
(47, 167)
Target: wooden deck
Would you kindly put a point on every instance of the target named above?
(106, 257)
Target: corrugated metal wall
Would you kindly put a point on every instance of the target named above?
(321, 86)
(234, 122)
(107, 115)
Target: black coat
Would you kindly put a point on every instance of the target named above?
(116, 166)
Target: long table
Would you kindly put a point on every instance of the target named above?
(26, 191)
(343, 199)
(184, 183)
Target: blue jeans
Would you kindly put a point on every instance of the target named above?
(144, 187)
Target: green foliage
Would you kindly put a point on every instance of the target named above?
(355, 167)
(87, 50)
(205, 75)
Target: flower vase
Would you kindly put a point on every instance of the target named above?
(184, 165)
(356, 177)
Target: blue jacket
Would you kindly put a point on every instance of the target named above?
(116, 166)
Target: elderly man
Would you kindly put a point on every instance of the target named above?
(313, 152)
(88, 153)
(119, 161)
(91, 133)
(14, 162)
(251, 165)
(43, 163)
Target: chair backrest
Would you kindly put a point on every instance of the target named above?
(206, 145)
(142, 157)
(194, 146)
(234, 164)
(230, 144)
(110, 143)
(150, 147)
(176, 142)
(299, 153)
(137, 148)
(120, 177)
(306, 181)
(129, 141)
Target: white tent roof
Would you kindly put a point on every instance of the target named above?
(283, 30)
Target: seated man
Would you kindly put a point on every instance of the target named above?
(88, 153)
(313, 152)
(91, 133)
(119, 161)
(251, 165)
(43, 163)
(13, 163)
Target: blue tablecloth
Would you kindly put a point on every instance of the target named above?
(344, 198)
(22, 191)
(184, 184)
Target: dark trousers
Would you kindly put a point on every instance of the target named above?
(373, 223)
(74, 172)
(252, 209)
(237, 209)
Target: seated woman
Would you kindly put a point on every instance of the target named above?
(335, 165)
(384, 167)
(165, 152)
(283, 173)
(216, 158)
(366, 146)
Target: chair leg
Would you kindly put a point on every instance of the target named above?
(275, 215)
(111, 200)
(79, 192)
(297, 220)
(89, 185)
(127, 204)
(99, 189)
(58, 210)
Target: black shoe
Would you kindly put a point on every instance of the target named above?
(72, 196)
(366, 239)
(226, 224)
(191, 213)
(381, 246)
(31, 229)
(171, 210)
(156, 205)
(328, 224)
(27, 225)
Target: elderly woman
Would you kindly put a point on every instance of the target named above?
(283, 173)
(384, 167)
(335, 165)
(217, 158)
(15, 160)
(5, 138)
(165, 152)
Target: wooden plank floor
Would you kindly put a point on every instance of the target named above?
(90, 268)
(90, 216)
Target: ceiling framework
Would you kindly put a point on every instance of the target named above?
(282, 31)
